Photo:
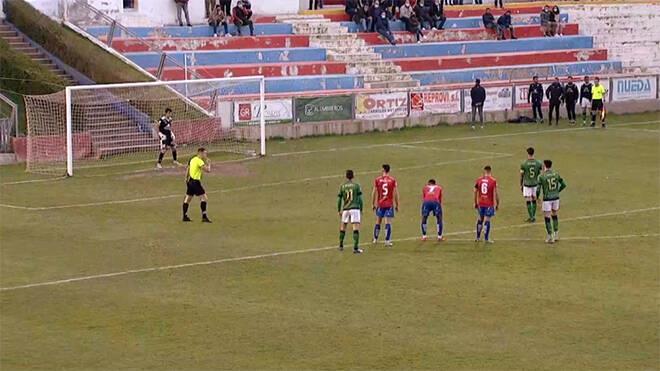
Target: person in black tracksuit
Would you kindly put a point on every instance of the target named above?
(535, 96)
(585, 99)
(555, 94)
(478, 97)
(571, 95)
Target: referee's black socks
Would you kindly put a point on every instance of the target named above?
(160, 157)
(174, 154)
(185, 209)
(202, 205)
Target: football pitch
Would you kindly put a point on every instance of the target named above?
(98, 271)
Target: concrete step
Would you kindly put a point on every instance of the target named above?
(306, 21)
(348, 43)
(350, 50)
(392, 85)
(297, 17)
(13, 39)
(7, 33)
(387, 77)
(353, 57)
(333, 37)
(104, 132)
(319, 29)
(371, 70)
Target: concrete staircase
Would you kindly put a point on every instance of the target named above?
(343, 46)
(19, 44)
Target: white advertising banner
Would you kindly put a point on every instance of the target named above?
(433, 102)
(634, 88)
(497, 99)
(381, 106)
(275, 110)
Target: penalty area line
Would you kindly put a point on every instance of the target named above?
(317, 249)
(244, 188)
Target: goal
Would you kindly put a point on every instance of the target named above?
(100, 126)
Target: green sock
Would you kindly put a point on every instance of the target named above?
(342, 234)
(356, 239)
(533, 209)
(548, 225)
(555, 223)
(529, 209)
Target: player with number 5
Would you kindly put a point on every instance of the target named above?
(385, 201)
(486, 202)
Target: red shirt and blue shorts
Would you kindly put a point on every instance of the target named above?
(485, 187)
(385, 186)
(432, 200)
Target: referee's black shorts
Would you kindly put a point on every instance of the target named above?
(194, 188)
(597, 105)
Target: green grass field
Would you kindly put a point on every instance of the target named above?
(98, 272)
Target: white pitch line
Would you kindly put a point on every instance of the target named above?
(249, 187)
(472, 137)
(440, 149)
(349, 148)
(639, 130)
(573, 238)
(294, 252)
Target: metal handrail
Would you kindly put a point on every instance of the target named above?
(14, 111)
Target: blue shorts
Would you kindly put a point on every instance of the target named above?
(429, 207)
(486, 211)
(387, 212)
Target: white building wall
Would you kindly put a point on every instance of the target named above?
(163, 12)
(630, 32)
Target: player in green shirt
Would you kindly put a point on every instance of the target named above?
(529, 181)
(349, 206)
(552, 184)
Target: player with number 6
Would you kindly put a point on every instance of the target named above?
(385, 201)
(486, 202)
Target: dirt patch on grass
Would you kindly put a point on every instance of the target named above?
(220, 169)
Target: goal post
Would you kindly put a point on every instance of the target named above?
(103, 125)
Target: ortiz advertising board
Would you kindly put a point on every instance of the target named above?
(275, 111)
(497, 99)
(430, 102)
(381, 106)
(634, 88)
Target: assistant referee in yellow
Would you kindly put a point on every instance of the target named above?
(196, 167)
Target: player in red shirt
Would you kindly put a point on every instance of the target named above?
(432, 203)
(486, 201)
(385, 200)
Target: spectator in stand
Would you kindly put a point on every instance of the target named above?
(585, 99)
(479, 2)
(218, 18)
(571, 95)
(382, 25)
(315, 4)
(478, 96)
(423, 13)
(503, 24)
(357, 12)
(374, 13)
(552, 23)
(555, 94)
(182, 5)
(408, 17)
(242, 17)
(535, 94)
(544, 17)
(389, 7)
(500, 2)
(226, 7)
(489, 22)
(559, 26)
(438, 15)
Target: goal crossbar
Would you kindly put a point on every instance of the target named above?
(71, 90)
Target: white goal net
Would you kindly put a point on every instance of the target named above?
(99, 126)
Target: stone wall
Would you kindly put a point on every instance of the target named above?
(630, 32)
